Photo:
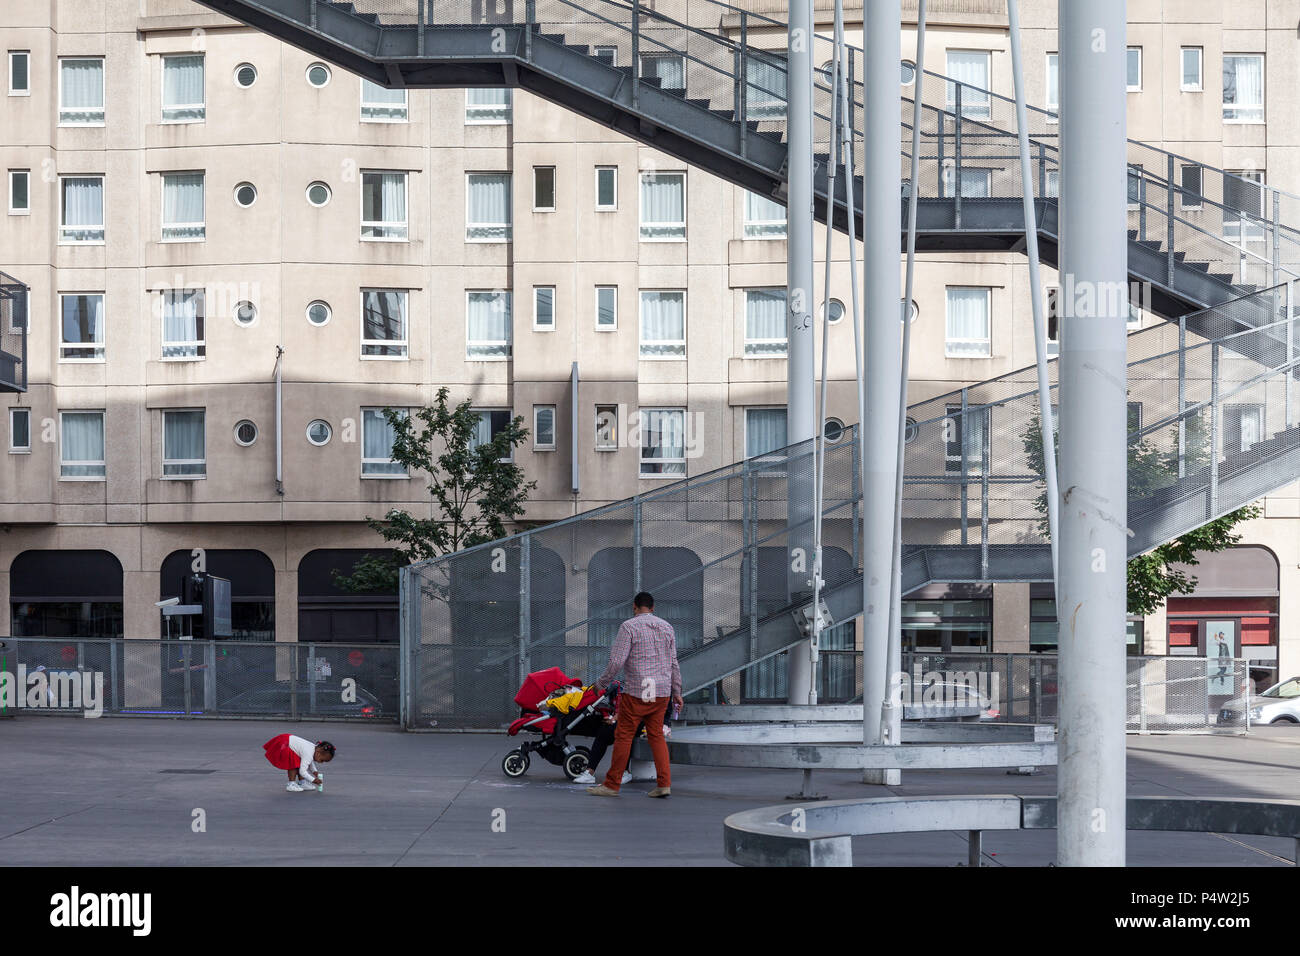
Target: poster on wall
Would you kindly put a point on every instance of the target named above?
(1220, 649)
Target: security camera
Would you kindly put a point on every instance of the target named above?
(167, 602)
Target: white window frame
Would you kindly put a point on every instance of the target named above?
(661, 54)
(606, 328)
(642, 460)
(674, 226)
(103, 83)
(103, 430)
(199, 229)
(1053, 58)
(988, 312)
(784, 340)
(600, 50)
(507, 227)
(373, 117)
(1127, 86)
(490, 411)
(612, 443)
(400, 228)
(642, 343)
(537, 326)
(981, 109)
(98, 347)
(975, 170)
(1199, 86)
(199, 345)
(20, 449)
(542, 446)
(202, 107)
(1052, 322)
(756, 229)
(614, 206)
(507, 345)
(103, 203)
(476, 114)
(26, 54)
(1263, 93)
(184, 461)
(25, 210)
(404, 343)
(402, 475)
(1052, 175)
(554, 189)
(764, 457)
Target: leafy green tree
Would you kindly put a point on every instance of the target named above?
(476, 489)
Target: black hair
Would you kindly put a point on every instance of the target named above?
(645, 600)
(326, 746)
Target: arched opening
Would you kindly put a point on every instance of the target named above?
(252, 590)
(66, 594)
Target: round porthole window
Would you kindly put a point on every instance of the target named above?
(913, 312)
(245, 194)
(826, 73)
(318, 75)
(245, 313)
(245, 433)
(833, 430)
(318, 194)
(909, 433)
(836, 311)
(908, 72)
(319, 432)
(245, 75)
(318, 313)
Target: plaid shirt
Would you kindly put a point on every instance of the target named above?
(646, 651)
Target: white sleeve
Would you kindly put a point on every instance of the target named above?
(306, 752)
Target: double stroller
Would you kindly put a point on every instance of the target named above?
(556, 707)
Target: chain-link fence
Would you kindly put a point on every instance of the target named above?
(1188, 695)
(185, 678)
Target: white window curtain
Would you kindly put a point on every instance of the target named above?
(380, 103)
(183, 206)
(82, 452)
(765, 326)
(183, 443)
(83, 209)
(975, 183)
(183, 90)
(968, 323)
(663, 325)
(668, 68)
(764, 219)
(383, 206)
(969, 431)
(663, 206)
(606, 307)
(663, 442)
(183, 324)
(544, 426)
(490, 424)
(544, 307)
(1191, 57)
(971, 69)
(383, 323)
(377, 445)
(489, 207)
(488, 326)
(764, 430)
(490, 105)
(765, 95)
(81, 96)
(1053, 81)
(83, 327)
(1243, 88)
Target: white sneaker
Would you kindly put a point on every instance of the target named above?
(584, 777)
(627, 777)
(294, 786)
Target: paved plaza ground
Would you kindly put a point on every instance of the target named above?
(96, 792)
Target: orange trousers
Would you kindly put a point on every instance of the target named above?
(631, 711)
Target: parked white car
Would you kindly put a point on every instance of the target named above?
(1280, 704)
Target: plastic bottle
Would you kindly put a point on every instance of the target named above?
(320, 782)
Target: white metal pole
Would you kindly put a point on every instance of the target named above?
(1093, 378)
(882, 341)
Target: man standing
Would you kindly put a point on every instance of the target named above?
(646, 651)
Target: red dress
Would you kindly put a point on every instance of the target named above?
(279, 753)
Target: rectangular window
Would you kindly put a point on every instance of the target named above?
(383, 205)
(20, 201)
(543, 189)
(81, 199)
(487, 325)
(384, 324)
(81, 327)
(183, 324)
(606, 188)
(765, 431)
(972, 438)
(490, 425)
(379, 104)
(663, 325)
(969, 69)
(487, 213)
(668, 68)
(81, 445)
(1243, 88)
(183, 98)
(968, 323)
(663, 442)
(1243, 427)
(543, 308)
(606, 308)
(1190, 198)
(489, 106)
(663, 206)
(765, 86)
(764, 219)
(1053, 82)
(976, 183)
(606, 428)
(19, 73)
(765, 332)
(20, 430)
(183, 207)
(1133, 61)
(1243, 205)
(1053, 183)
(544, 428)
(184, 444)
(1135, 187)
(606, 54)
(1191, 58)
(377, 437)
(81, 92)
(1053, 316)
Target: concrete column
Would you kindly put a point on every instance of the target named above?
(882, 291)
(1010, 618)
(1094, 503)
(1155, 631)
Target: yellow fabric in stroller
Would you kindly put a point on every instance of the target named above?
(563, 703)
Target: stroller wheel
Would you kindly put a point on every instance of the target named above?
(515, 763)
(577, 762)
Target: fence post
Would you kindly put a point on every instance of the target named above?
(293, 681)
(311, 678)
(403, 639)
(312, 9)
(1182, 396)
(1288, 404)
(1215, 419)
(1036, 686)
(742, 109)
(1142, 696)
(419, 28)
(636, 53)
(956, 192)
(636, 545)
(1277, 238)
(114, 698)
(985, 456)
(965, 517)
(525, 604)
(943, 129)
(1142, 203)
(1169, 220)
(210, 677)
(185, 666)
(857, 497)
